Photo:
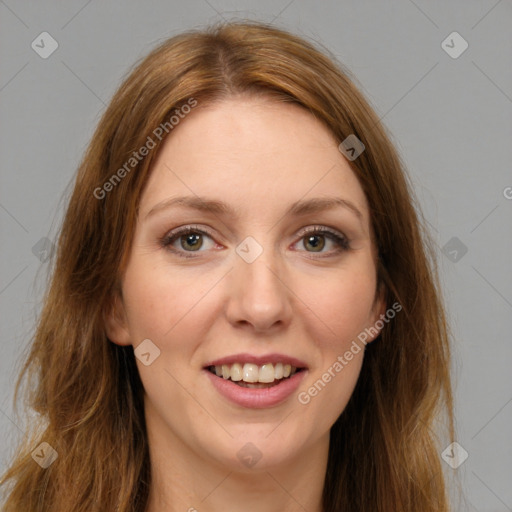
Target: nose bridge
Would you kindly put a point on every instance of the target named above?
(258, 295)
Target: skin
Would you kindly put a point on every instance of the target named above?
(259, 157)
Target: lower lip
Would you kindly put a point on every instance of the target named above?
(257, 398)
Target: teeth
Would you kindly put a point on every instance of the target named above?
(236, 372)
(266, 373)
(252, 373)
(278, 371)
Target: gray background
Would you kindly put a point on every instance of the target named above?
(450, 117)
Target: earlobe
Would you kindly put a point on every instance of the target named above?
(116, 326)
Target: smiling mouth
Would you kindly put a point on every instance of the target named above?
(250, 375)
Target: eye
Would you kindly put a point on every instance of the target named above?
(187, 239)
(317, 238)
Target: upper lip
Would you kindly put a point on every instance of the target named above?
(258, 360)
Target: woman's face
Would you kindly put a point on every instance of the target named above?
(250, 283)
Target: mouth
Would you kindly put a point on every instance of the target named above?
(256, 381)
(254, 376)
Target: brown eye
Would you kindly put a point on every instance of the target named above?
(188, 240)
(315, 242)
(191, 241)
(324, 241)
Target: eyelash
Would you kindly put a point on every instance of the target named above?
(168, 239)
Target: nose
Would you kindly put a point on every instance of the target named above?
(258, 295)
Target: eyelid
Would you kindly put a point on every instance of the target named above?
(316, 228)
(187, 228)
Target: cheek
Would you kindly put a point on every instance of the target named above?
(340, 307)
(339, 311)
(159, 301)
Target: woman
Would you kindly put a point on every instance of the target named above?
(244, 311)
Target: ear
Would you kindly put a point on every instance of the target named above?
(378, 313)
(116, 326)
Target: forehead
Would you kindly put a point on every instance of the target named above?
(254, 154)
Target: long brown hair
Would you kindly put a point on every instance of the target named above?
(383, 451)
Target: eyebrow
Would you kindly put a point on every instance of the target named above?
(301, 207)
